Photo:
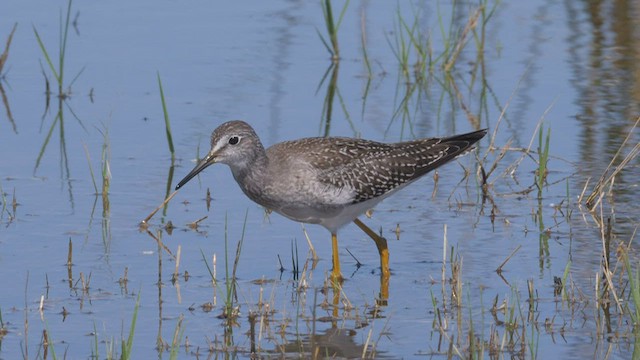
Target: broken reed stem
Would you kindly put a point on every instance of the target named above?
(492, 139)
(194, 225)
(499, 269)
(444, 268)
(600, 185)
(584, 189)
(471, 24)
(606, 270)
(159, 241)
(534, 135)
(314, 256)
(144, 222)
(175, 272)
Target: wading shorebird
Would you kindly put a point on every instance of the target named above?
(328, 181)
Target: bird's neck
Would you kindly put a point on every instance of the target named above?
(250, 175)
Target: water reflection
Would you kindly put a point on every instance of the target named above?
(333, 343)
(263, 321)
(5, 101)
(59, 121)
(64, 93)
(601, 62)
(327, 107)
(338, 340)
(3, 60)
(605, 74)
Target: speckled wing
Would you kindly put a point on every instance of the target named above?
(370, 169)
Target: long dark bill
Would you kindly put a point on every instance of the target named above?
(203, 164)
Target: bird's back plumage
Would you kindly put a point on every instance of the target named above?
(370, 169)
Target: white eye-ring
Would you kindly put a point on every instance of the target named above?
(233, 140)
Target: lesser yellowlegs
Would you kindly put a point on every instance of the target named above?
(327, 181)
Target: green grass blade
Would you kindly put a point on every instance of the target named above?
(328, 18)
(50, 342)
(46, 142)
(342, 12)
(63, 42)
(239, 247)
(95, 342)
(207, 264)
(77, 76)
(326, 45)
(46, 56)
(565, 277)
(126, 347)
(227, 283)
(93, 178)
(75, 116)
(634, 285)
(177, 339)
(167, 123)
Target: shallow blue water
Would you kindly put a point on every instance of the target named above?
(265, 63)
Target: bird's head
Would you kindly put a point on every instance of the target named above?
(234, 143)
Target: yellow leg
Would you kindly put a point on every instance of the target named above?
(337, 290)
(335, 274)
(381, 243)
(384, 291)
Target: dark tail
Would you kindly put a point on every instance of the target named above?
(451, 148)
(468, 138)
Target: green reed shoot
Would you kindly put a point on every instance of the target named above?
(408, 39)
(419, 43)
(543, 159)
(128, 345)
(607, 177)
(230, 284)
(510, 319)
(634, 286)
(47, 342)
(177, 339)
(236, 261)
(62, 50)
(47, 139)
(461, 40)
(213, 278)
(228, 302)
(565, 278)
(332, 28)
(59, 74)
(400, 48)
(446, 32)
(94, 349)
(105, 160)
(367, 63)
(93, 178)
(110, 349)
(167, 123)
(636, 347)
(365, 55)
(485, 13)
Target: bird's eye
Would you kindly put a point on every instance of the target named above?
(234, 140)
